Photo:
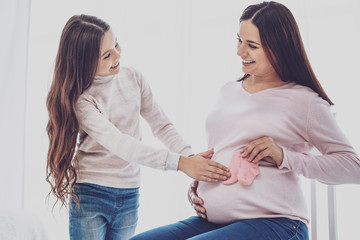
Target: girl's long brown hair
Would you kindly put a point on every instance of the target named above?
(280, 36)
(75, 68)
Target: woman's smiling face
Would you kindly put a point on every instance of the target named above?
(254, 59)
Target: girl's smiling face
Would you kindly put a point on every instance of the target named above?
(110, 50)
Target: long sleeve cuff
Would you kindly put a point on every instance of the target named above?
(284, 163)
(187, 152)
(172, 161)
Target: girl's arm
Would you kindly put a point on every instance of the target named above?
(128, 148)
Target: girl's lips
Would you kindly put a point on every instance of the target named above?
(116, 66)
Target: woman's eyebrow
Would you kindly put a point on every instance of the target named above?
(249, 41)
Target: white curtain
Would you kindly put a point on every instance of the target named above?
(14, 28)
(186, 49)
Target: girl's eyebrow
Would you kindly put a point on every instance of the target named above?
(109, 50)
(105, 53)
(249, 41)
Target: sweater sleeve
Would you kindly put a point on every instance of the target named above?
(161, 126)
(338, 162)
(126, 147)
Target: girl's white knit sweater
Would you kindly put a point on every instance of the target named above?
(110, 147)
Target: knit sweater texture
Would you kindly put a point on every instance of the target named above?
(110, 150)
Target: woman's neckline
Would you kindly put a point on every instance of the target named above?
(250, 93)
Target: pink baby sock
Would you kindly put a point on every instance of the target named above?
(242, 170)
(234, 167)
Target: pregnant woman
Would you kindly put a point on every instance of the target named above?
(272, 118)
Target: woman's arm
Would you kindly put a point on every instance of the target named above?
(338, 164)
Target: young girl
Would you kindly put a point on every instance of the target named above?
(92, 97)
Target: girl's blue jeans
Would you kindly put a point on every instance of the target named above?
(103, 213)
(196, 228)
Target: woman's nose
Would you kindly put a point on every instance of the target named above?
(240, 50)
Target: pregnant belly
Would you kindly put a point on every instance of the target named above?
(263, 198)
(223, 203)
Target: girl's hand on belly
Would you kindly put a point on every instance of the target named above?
(196, 201)
(201, 168)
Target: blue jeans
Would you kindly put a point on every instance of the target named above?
(196, 228)
(103, 213)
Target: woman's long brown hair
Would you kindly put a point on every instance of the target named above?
(75, 68)
(280, 36)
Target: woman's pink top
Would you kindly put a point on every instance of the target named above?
(298, 120)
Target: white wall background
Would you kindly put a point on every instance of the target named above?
(186, 49)
(14, 22)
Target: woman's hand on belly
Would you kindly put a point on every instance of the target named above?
(196, 201)
(263, 148)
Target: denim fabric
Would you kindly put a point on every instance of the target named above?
(196, 228)
(103, 213)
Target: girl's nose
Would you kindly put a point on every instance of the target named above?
(116, 54)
